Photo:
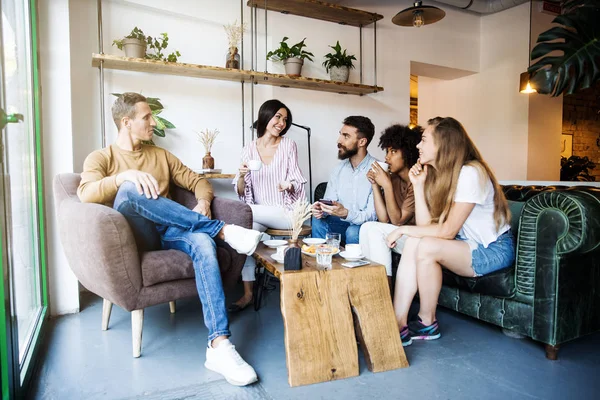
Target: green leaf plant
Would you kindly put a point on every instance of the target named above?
(578, 39)
(285, 51)
(156, 107)
(156, 45)
(338, 59)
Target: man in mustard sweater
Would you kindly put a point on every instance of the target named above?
(134, 179)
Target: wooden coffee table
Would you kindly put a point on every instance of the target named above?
(325, 312)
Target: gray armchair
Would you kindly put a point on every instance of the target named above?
(102, 252)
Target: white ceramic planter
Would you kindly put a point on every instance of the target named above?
(134, 48)
(339, 74)
(293, 66)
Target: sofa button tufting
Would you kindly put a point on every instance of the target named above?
(502, 312)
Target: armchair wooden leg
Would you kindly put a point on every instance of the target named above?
(137, 322)
(552, 352)
(172, 307)
(106, 309)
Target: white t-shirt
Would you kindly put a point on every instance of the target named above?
(479, 228)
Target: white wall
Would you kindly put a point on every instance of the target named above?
(545, 119)
(462, 41)
(488, 103)
(57, 136)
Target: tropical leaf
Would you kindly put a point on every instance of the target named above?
(159, 124)
(159, 132)
(154, 103)
(579, 41)
(167, 124)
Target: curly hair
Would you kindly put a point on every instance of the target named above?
(403, 138)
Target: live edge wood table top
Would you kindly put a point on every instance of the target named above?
(324, 312)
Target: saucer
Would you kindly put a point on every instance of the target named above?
(310, 241)
(354, 258)
(275, 257)
(275, 243)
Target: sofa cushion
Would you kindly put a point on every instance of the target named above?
(500, 283)
(171, 265)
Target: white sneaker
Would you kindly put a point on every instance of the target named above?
(225, 360)
(243, 240)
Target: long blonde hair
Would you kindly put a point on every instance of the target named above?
(456, 149)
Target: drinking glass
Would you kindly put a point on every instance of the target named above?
(333, 239)
(324, 255)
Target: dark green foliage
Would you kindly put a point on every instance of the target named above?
(338, 59)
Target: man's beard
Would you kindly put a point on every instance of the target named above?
(346, 153)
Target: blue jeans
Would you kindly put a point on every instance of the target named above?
(348, 231)
(163, 223)
(499, 254)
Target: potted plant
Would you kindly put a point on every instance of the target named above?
(576, 168)
(133, 44)
(338, 64)
(136, 42)
(292, 57)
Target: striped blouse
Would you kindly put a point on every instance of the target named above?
(262, 185)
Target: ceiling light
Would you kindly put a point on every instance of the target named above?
(418, 15)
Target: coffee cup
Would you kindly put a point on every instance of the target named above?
(353, 250)
(281, 251)
(383, 165)
(254, 165)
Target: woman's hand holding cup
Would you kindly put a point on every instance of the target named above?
(243, 169)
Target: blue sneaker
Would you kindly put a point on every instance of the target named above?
(420, 331)
(405, 336)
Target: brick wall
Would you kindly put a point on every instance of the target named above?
(581, 119)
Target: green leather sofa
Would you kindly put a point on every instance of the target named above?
(552, 293)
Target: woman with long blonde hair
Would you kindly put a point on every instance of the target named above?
(462, 221)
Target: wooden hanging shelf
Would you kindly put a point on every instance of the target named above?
(228, 74)
(319, 10)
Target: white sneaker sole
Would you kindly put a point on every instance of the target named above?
(231, 381)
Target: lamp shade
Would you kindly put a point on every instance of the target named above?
(418, 15)
(525, 84)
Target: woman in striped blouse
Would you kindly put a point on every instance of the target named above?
(272, 189)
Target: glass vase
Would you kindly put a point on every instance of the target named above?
(208, 162)
(232, 59)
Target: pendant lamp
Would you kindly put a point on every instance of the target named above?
(418, 15)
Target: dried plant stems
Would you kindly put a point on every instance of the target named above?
(207, 138)
(234, 33)
(300, 212)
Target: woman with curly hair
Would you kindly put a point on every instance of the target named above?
(392, 193)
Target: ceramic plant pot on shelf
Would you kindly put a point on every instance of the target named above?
(134, 48)
(339, 74)
(293, 66)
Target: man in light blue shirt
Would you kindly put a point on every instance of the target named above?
(348, 201)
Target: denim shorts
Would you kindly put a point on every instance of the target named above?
(499, 254)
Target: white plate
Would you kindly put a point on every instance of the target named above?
(311, 241)
(314, 255)
(275, 257)
(275, 243)
(355, 258)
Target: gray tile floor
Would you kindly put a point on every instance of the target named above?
(472, 360)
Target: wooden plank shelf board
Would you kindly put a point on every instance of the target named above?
(170, 68)
(319, 10)
(228, 74)
(301, 82)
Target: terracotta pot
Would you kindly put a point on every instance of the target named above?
(293, 66)
(208, 162)
(134, 48)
